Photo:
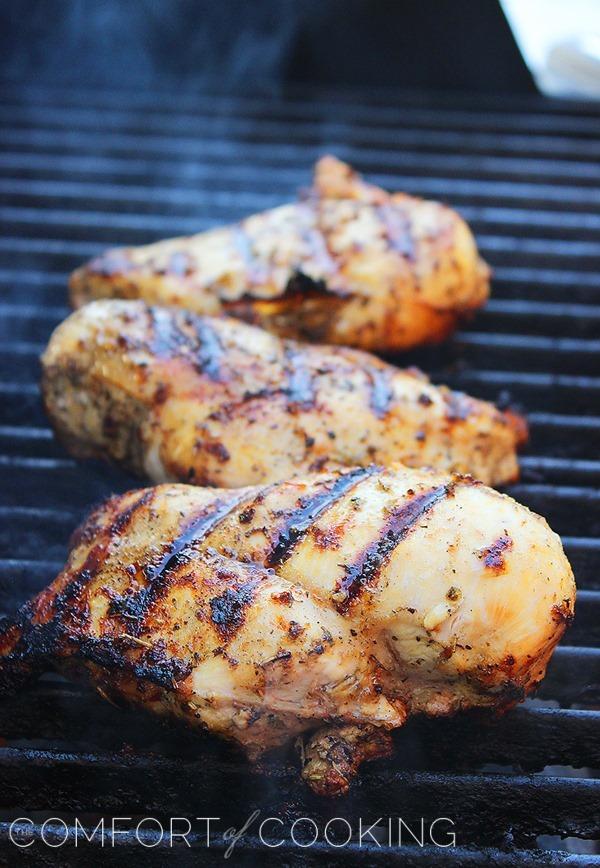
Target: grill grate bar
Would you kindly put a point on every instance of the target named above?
(8, 564)
(36, 513)
(16, 388)
(271, 119)
(586, 627)
(546, 277)
(531, 342)
(103, 164)
(44, 277)
(562, 420)
(501, 219)
(533, 117)
(17, 311)
(526, 308)
(424, 160)
(37, 463)
(493, 192)
(443, 187)
(573, 676)
(538, 380)
(532, 805)
(23, 431)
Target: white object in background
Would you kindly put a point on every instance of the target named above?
(560, 42)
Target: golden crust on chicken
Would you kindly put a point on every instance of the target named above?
(346, 601)
(214, 401)
(346, 264)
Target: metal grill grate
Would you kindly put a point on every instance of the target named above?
(82, 170)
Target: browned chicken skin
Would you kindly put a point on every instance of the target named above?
(346, 601)
(347, 264)
(214, 401)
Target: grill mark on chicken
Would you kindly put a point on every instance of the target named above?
(255, 270)
(493, 556)
(169, 340)
(398, 230)
(135, 607)
(300, 379)
(124, 518)
(209, 354)
(97, 555)
(195, 532)
(380, 392)
(299, 522)
(317, 240)
(401, 520)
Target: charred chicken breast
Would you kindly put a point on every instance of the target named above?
(214, 401)
(337, 605)
(346, 264)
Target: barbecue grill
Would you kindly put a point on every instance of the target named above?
(83, 169)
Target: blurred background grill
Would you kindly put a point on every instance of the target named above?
(82, 169)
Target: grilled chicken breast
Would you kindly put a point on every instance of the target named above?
(346, 264)
(346, 601)
(217, 402)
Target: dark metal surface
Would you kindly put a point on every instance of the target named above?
(80, 170)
